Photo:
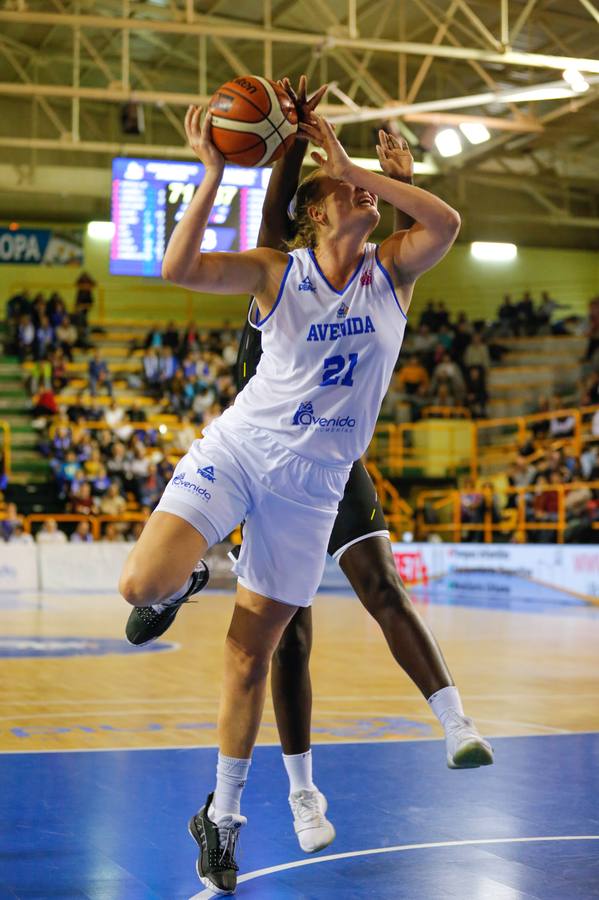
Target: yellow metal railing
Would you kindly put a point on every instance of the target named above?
(6, 448)
(471, 445)
(447, 508)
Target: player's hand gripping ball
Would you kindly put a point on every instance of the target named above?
(254, 120)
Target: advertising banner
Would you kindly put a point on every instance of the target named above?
(41, 246)
(18, 568)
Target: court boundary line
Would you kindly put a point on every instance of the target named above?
(370, 741)
(352, 854)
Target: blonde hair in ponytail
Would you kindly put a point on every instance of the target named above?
(307, 194)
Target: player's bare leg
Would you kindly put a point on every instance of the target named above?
(371, 570)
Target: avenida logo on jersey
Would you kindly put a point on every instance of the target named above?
(180, 481)
(305, 417)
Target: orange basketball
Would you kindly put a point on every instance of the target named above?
(253, 120)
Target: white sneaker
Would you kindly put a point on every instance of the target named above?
(313, 829)
(466, 749)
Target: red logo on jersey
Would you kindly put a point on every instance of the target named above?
(366, 278)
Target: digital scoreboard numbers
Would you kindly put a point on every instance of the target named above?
(149, 197)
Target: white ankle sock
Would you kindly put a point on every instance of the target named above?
(176, 596)
(299, 770)
(444, 701)
(231, 776)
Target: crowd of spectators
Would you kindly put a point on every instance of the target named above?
(108, 459)
(445, 361)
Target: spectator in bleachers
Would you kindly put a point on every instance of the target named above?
(38, 310)
(100, 482)
(134, 532)
(461, 339)
(561, 426)
(60, 377)
(151, 487)
(82, 534)
(117, 464)
(508, 317)
(9, 519)
(81, 502)
(423, 345)
(84, 300)
(39, 375)
(477, 353)
(526, 320)
(471, 510)
(153, 339)
(112, 534)
(44, 405)
(448, 371)
(170, 337)
(44, 338)
(190, 339)
(412, 375)
(185, 434)
(20, 536)
(113, 503)
(544, 312)
(98, 374)
(476, 392)
(55, 309)
(50, 533)
(66, 337)
(151, 370)
(443, 396)
(25, 338)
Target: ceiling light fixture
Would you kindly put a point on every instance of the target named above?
(475, 132)
(492, 251)
(447, 142)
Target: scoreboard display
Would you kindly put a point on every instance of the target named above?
(149, 196)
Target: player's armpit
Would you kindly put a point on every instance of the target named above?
(408, 254)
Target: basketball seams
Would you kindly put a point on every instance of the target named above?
(277, 120)
(248, 99)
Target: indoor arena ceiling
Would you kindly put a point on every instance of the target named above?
(67, 67)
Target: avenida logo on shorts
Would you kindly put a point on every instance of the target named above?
(180, 481)
(305, 417)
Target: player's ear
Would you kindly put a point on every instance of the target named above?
(317, 213)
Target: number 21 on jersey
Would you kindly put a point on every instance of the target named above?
(337, 366)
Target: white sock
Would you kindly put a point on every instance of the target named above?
(444, 701)
(176, 596)
(231, 776)
(299, 770)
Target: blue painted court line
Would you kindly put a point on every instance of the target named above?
(112, 825)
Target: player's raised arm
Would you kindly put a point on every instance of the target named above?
(397, 162)
(257, 272)
(407, 253)
(275, 228)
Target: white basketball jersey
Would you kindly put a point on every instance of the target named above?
(327, 359)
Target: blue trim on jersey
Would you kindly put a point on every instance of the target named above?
(326, 280)
(260, 322)
(389, 281)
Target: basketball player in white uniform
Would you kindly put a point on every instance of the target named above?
(332, 318)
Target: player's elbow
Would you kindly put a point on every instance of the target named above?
(452, 223)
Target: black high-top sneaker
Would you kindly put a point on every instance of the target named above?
(216, 866)
(146, 623)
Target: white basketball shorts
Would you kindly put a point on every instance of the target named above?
(236, 473)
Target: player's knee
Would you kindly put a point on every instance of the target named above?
(293, 649)
(385, 595)
(136, 589)
(250, 667)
